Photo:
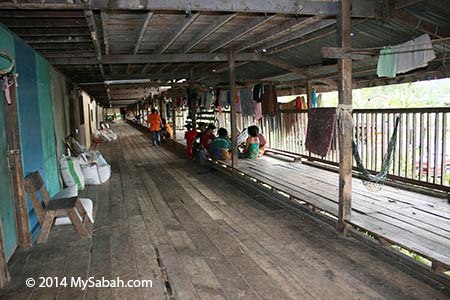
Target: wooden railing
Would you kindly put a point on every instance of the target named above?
(422, 152)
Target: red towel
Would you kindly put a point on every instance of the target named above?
(321, 123)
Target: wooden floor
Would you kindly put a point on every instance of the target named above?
(202, 237)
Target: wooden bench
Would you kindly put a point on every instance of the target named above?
(53, 208)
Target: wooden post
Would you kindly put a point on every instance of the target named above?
(16, 169)
(174, 119)
(233, 91)
(191, 102)
(345, 133)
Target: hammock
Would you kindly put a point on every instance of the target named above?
(374, 183)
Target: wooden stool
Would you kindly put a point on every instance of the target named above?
(54, 208)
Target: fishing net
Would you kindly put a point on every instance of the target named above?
(374, 183)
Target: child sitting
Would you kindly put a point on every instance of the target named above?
(221, 146)
(252, 143)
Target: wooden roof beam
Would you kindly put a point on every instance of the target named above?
(399, 4)
(104, 17)
(360, 8)
(410, 20)
(257, 22)
(90, 19)
(148, 18)
(174, 58)
(288, 66)
(178, 32)
(218, 23)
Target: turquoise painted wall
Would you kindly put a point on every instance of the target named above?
(6, 202)
(36, 122)
(47, 125)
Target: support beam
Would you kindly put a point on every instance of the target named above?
(345, 133)
(361, 8)
(90, 19)
(52, 31)
(15, 160)
(422, 25)
(148, 18)
(174, 58)
(257, 22)
(294, 69)
(399, 4)
(218, 23)
(58, 40)
(273, 33)
(233, 91)
(104, 16)
(178, 32)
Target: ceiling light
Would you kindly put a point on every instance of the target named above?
(264, 50)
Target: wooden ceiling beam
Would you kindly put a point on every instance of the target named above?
(288, 66)
(175, 58)
(218, 23)
(178, 32)
(271, 34)
(43, 32)
(255, 23)
(412, 21)
(360, 8)
(90, 19)
(147, 19)
(399, 4)
(58, 40)
(41, 14)
(45, 23)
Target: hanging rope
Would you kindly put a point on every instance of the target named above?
(375, 183)
(8, 70)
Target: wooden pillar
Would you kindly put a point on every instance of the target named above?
(345, 103)
(233, 91)
(16, 170)
(174, 119)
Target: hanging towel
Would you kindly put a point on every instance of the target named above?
(252, 106)
(257, 92)
(321, 123)
(387, 62)
(415, 54)
(314, 99)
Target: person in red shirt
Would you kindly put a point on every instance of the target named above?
(207, 138)
(190, 136)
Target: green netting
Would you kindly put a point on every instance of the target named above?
(375, 182)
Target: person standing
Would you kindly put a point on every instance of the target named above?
(154, 124)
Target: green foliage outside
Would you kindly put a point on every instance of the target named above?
(432, 93)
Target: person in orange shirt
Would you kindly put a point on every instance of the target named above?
(154, 125)
(166, 130)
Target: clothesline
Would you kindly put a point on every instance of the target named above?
(367, 50)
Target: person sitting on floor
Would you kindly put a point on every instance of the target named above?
(196, 143)
(205, 143)
(252, 143)
(221, 146)
(262, 141)
(166, 130)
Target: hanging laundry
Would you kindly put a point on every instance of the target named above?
(238, 102)
(299, 102)
(258, 111)
(245, 101)
(321, 123)
(252, 106)
(209, 99)
(387, 62)
(313, 98)
(415, 54)
(319, 100)
(257, 92)
(6, 90)
(269, 100)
